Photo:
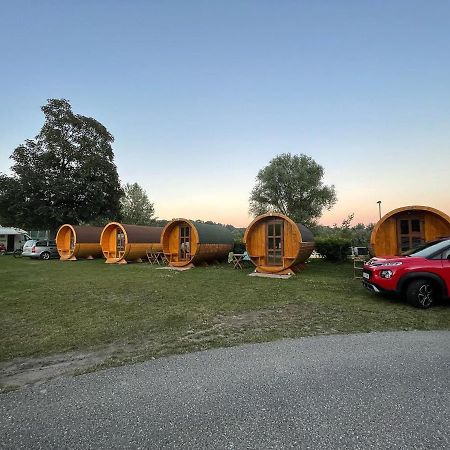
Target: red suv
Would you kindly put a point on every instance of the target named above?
(422, 276)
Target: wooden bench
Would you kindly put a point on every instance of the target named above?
(257, 257)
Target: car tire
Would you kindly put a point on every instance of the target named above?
(421, 293)
(45, 256)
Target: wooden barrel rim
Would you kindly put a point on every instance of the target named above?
(261, 218)
(404, 209)
(271, 214)
(62, 227)
(110, 225)
(59, 234)
(168, 227)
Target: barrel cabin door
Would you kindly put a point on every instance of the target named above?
(120, 243)
(185, 243)
(71, 242)
(274, 243)
(410, 232)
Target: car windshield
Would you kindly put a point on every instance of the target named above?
(420, 247)
(432, 249)
(29, 243)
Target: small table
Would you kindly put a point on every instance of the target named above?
(156, 258)
(237, 260)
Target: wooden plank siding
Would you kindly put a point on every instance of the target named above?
(295, 250)
(200, 250)
(75, 242)
(138, 241)
(384, 239)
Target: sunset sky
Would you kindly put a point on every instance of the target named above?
(200, 95)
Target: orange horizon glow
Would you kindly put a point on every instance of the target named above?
(365, 214)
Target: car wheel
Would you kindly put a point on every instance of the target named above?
(45, 255)
(421, 293)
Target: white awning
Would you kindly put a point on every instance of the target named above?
(11, 230)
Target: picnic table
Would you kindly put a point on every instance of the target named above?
(156, 258)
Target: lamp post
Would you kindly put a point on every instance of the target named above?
(379, 207)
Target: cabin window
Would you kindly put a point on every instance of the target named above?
(415, 225)
(404, 227)
(185, 242)
(120, 242)
(410, 233)
(274, 246)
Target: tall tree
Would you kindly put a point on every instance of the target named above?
(66, 174)
(136, 208)
(292, 185)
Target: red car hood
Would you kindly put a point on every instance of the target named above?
(390, 259)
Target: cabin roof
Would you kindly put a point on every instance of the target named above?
(306, 233)
(142, 234)
(84, 233)
(213, 234)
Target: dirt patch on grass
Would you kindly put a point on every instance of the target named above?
(259, 325)
(23, 371)
(287, 316)
(291, 320)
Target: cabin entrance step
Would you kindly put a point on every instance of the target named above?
(271, 275)
(178, 269)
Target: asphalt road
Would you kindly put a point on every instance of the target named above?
(378, 390)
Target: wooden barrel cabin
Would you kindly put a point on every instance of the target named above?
(123, 243)
(405, 228)
(186, 243)
(278, 245)
(74, 242)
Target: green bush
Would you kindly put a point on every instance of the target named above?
(333, 248)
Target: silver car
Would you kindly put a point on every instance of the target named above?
(42, 249)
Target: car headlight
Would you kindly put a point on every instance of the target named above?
(386, 274)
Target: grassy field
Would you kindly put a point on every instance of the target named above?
(52, 307)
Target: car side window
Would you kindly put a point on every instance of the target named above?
(52, 243)
(41, 244)
(442, 255)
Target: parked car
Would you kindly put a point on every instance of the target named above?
(42, 249)
(422, 276)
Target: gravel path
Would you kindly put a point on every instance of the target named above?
(377, 390)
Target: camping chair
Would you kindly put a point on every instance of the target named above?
(230, 257)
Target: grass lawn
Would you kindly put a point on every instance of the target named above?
(52, 307)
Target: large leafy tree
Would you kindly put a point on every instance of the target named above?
(292, 185)
(136, 208)
(66, 174)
